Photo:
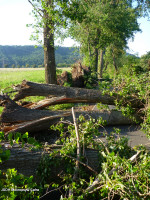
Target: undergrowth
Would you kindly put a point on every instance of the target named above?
(118, 177)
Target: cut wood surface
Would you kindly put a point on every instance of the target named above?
(71, 94)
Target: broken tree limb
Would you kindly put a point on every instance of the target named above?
(16, 118)
(76, 170)
(112, 118)
(33, 126)
(53, 101)
(71, 94)
(13, 113)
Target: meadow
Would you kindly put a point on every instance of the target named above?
(9, 77)
(14, 76)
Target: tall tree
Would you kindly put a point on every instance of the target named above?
(42, 12)
(100, 24)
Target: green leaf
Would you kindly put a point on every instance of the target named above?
(25, 135)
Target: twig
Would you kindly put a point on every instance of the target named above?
(82, 163)
(92, 187)
(78, 151)
(37, 10)
(52, 191)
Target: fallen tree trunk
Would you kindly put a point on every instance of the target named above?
(32, 126)
(111, 118)
(16, 118)
(13, 113)
(71, 94)
(27, 161)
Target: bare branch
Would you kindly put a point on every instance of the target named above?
(37, 9)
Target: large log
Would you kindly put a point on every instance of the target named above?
(14, 113)
(26, 161)
(111, 118)
(16, 118)
(71, 94)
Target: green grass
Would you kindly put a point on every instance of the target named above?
(9, 78)
(14, 77)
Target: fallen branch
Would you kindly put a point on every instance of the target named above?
(71, 94)
(76, 171)
(13, 113)
(95, 185)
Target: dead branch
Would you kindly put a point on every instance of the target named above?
(76, 171)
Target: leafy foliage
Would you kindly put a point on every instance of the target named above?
(128, 179)
(13, 184)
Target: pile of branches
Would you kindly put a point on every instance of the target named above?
(31, 116)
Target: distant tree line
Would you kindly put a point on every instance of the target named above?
(29, 56)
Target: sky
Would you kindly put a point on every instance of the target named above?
(15, 14)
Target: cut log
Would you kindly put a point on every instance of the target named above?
(26, 161)
(71, 94)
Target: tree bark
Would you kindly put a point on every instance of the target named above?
(101, 64)
(16, 118)
(13, 113)
(26, 161)
(72, 94)
(49, 50)
(114, 60)
(95, 56)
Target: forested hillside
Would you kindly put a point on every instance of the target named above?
(29, 56)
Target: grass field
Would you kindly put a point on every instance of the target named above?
(10, 76)
(13, 76)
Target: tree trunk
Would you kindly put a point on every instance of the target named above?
(101, 64)
(114, 60)
(72, 94)
(95, 62)
(49, 50)
(16, 118)
(26, 161)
